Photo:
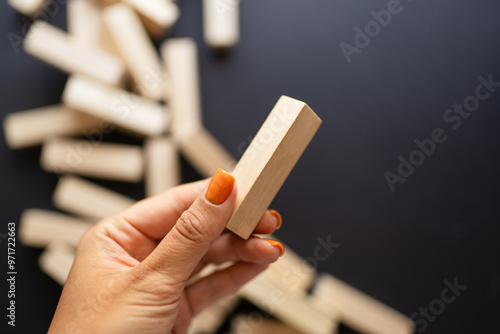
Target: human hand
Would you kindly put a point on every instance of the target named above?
(130, 270)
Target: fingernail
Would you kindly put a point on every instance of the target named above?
(278, 245)
(278, 217)
(220, 187)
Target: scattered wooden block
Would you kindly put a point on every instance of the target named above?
(268, 161)
(210, 319)
(360, 311)
(71, 55)
(56, 261)
(117, 106)
(221, 23)
(31, 127)
(251, 323)
(162, 165)
(40, 227)
(84, 21)
(118, 162)
(157, 15)
(136, 49)
(27, 7)
(89, 200)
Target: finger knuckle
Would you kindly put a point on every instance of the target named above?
(190, 226)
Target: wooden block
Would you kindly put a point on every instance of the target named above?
(84, 21)
(268, 161)
(117, 106)
(56, 261)
(211, 318)
(252, 323)
(157, 15)
(221, 23)
(136, 49)
(162, 165)
(181, 62)
(86, 199)
(31, 127)
(71, 55)
(360, 311)
(27, 7)
(40, 227)
(118, 162)
(204, 152)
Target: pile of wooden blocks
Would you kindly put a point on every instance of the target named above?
(118, 81)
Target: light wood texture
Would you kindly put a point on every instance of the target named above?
(27, 7)
(221, 23)
(118, 162)
(126, 110)
(253, 323)
(87, 199)
(56, 261)
(157, 15)
(71, 55)
(162, 165)
(183, 92)
(84, 21)
(136, 49)
(31, 127)
(268, 161)
(40, 227)
(360, 311)
(211, 318)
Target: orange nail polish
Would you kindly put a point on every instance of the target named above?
(278, 217)
(278, 245)
(220, 187)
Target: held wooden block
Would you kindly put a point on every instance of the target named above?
(84, 21)
(221, 23)
(269, 159)
(118, 162)
(360, 311)
(40, 227)
(157, 15)
(56, 261)
(27, 7)
(32, 127)
(117, 106)
(71, 55)
(162, 165)
(136, 49)
(211, 318)
(87, 199)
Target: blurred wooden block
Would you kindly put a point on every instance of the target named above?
(162, 165)
(211, 318)
(360, 311)
(269, 159)
(157, 15)
(56, 261)
(87, 199)
(221, 23)
(204, 152)
(84, 21)
(71, 55)
(252, 323)
(31, 127)
(27, 7)
(117, 162)
(40, 227)
(181, 62)
(136, 49)
(124, 109)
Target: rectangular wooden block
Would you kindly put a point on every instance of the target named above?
(87, 199)
(40, 227)
(71, 55)
(157, 15)
(162, 165)
(136, 49)
(269, 159)
(56, 261)
(84, 21)
(360, 311)
(31, 127)
(118, 162)
(250, 323)
(124, 109)
(211, 318)
(27, 7)
(221, 23)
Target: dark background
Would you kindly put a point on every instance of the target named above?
(399, 247)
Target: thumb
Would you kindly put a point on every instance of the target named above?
(186, 243)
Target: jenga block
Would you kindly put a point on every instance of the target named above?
(40, 227)
(157, 15)
(162, 165)
(252, 323)
(360, 311)
(204, 152)
(181, 62)
(84, 21)
(136, 49)
(124, 109)
(71, 55)
(211, 318)
(32, 127)
(268, 161)
(118, 162)
(27, 7)
(56, 261)
(221, 23)
(87, 199)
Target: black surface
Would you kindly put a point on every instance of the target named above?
(441, 223)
